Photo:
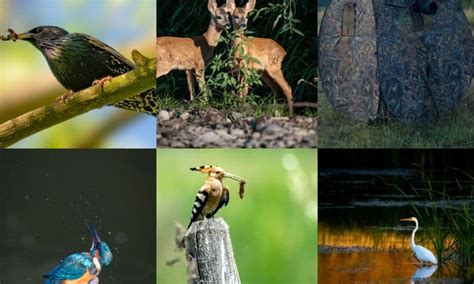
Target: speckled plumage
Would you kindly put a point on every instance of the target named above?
(77, 60)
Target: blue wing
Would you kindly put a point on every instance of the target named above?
(72, 267)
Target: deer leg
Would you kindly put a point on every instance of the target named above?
(244, 91)
(274, 86)
(191, 84)
(277, 76)
(243, 86)
(201, 82)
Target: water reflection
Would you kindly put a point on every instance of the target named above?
(363, 195)
(350, 253)
(424, 273)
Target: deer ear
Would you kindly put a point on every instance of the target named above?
(230, 5)
(250, 5)
(212, 6)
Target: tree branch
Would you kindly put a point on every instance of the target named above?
(138, 80)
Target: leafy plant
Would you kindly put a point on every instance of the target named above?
(289, 22)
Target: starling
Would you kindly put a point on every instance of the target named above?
(78, 60)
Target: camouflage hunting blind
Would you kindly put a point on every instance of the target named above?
(408, 59)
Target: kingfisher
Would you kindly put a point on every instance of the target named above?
(82, 268)
(213, 194)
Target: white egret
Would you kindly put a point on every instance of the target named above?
(421, 253)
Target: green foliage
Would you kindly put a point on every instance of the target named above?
(226, 78)
(451, 226)
(273, 228)
(289, 22)
(467, 3)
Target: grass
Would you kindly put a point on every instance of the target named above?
(470, 15)
(454, 131)
(255, 106)
(451, 227)
(289, 22)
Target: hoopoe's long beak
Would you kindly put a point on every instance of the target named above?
(234, 177)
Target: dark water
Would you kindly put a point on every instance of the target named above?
(360, 236)
(47, 197)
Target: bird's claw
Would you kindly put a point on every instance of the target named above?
(64, 98)
(102, 81)
(11, 36)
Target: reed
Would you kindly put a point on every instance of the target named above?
(451, 226)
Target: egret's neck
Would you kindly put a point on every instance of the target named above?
(412, 243)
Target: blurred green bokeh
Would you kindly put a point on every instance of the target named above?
(273, 228)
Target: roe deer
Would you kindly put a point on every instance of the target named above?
(268, 53)
(192, 54)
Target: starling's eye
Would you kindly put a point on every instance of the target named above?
(35, 31)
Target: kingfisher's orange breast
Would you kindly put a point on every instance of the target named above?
(83, 280)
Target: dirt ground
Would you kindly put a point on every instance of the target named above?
(213, 128)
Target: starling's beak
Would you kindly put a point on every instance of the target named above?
(25, 36)
(234, 177)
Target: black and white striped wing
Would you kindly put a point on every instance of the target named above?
(199, 202)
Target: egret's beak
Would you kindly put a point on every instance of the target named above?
(234, 177)
(406, 219)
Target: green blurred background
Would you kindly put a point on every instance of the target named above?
(27, 83)
(273, 228)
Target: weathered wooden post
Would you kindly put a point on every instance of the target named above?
(209, 253)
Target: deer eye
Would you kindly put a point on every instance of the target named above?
(219, 17)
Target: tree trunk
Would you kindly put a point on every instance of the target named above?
(209, 253)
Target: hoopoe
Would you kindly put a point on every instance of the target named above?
(213, 194)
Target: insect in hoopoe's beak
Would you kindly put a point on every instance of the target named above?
(241, 181)
(222, 174)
